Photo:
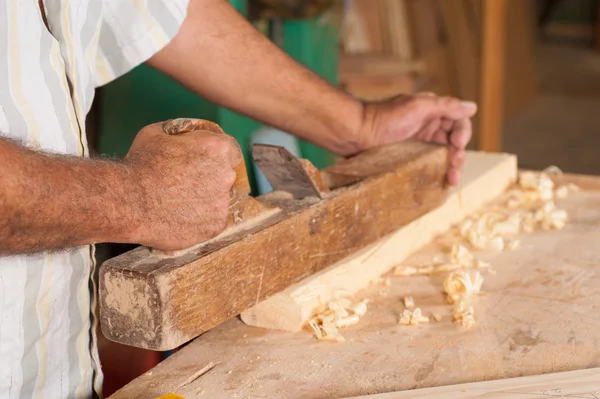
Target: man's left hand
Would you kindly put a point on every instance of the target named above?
(424, 116)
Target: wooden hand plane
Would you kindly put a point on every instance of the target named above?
(311, 220)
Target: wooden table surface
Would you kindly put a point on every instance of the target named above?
(539, 314)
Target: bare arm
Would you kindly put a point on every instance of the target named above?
(220, 56)
(49, 202)
(169, 192)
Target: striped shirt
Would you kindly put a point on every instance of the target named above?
(48, 74)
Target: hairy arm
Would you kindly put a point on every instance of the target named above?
(220, 56)
(50, 202)
(169, 192)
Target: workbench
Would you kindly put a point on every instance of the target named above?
(540, 313)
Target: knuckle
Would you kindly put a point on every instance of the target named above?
(229, 177)
(218, 145)
(417, 103)
(447, 101)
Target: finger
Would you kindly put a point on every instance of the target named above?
(445, 107)
(457, 158)
(426, 94)
(442, 136)
(454, 176)
(154, 129)
(429, 130)
(461, 133)
(447, 124)
(221, 144)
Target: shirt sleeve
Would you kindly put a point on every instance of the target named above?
(132, 31)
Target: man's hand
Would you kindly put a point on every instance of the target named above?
(186, 181)
(426, 117)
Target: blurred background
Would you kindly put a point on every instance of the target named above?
(533, 66)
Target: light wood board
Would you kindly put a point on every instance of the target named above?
(572, 384)
(486, 176)
(539, 314)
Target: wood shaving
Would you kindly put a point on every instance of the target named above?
(459, 285)
(461, 255)
(464, 315)
(409, 302)
(561, 192)
(413, 270)
(513, 244)
(339, 314)
(360, 308)
(347, 321)
(412, 318)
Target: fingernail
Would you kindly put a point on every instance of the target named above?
(469, 105)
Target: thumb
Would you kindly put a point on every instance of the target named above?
(447, 107)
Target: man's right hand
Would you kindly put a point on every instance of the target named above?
(184, 183)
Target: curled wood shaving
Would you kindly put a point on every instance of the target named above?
(462, 284)
(409, 302)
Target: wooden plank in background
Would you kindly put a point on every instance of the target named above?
(376, 88)
(424, 26)
(491, 103)
(520, 75)
(373, 19)
(463, 48)
(398, 29)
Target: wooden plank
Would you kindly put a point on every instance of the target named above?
(355, 37)
(597, 27)
(438, 72)
(399, 29)
(382, 88)
(485, 177)
(372, 19)
(359, 65)
(539, 314)
(424, 26)
(373, 77)
(491, 103)
(572, 384)
(463, 44)
(521, 76)
(160, 303)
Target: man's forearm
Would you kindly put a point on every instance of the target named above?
(221, 57)
(50, 202)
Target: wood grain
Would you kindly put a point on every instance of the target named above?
(161, 303)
